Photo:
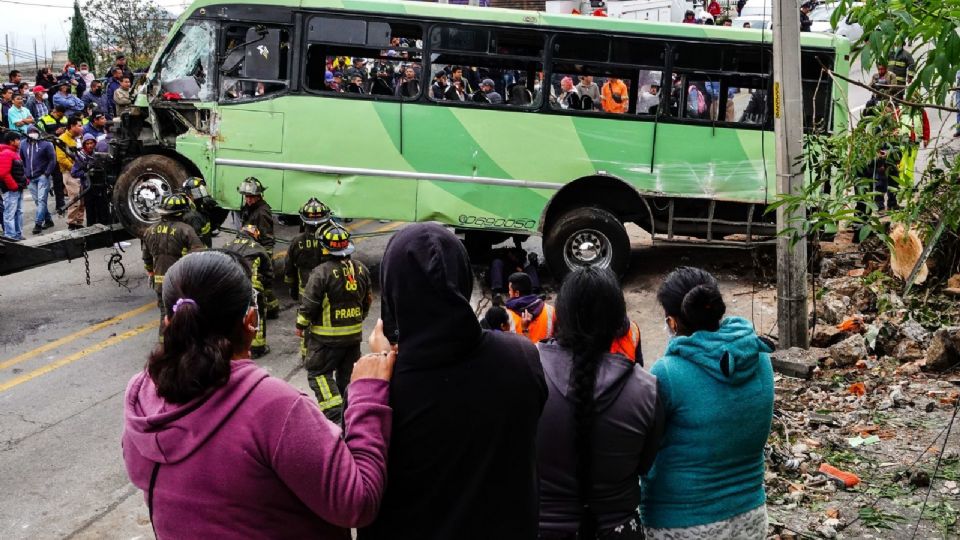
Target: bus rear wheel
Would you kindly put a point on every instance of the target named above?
(587, 236)
(140, 188)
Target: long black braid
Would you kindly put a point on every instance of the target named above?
(590, 314)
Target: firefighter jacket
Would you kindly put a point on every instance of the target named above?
(260, 261)
(164, 244)
(200, 224)
(334, 304)
(304, 254)
(260, 214)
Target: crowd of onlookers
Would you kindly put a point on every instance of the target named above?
(537, 421)
(50, 129)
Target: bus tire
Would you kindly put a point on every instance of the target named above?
(140, 188)
(586, 236)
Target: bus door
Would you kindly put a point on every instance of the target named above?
(254, 78)
(343, 137)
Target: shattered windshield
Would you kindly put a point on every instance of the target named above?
(186, 69)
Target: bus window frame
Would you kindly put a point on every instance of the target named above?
(504, 106)
(304, 49)
(634, 68)
(293, 59)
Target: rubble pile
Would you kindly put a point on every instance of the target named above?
(860, 418)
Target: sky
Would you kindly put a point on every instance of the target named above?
(47, 21)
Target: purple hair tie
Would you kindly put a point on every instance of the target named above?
(181, 302)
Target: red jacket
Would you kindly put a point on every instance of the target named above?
(714, 8)
(7, 156)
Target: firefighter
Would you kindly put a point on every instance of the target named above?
(196, 191)
(255, 211)
(333, 306)
(305, 252)
(247, 245)
(167, 241)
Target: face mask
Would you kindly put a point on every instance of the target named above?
(84, 71)
(45, 96)
(71, 71)
(33, 136)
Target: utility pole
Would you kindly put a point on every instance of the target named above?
(788, 129)
(6, 40)
(36, 59)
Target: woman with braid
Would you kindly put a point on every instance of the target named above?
(601, 425)
(716, 385)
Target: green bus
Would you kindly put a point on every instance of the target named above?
(497, 122)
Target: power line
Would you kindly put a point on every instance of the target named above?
(31, 4)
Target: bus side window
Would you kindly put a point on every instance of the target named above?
(257, 61)
(486, 67)
(360, 57)
(817, 87)
(694, 96)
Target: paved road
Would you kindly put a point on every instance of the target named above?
(67, 350)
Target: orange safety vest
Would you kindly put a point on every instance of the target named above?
(628, 343)
(540, 328)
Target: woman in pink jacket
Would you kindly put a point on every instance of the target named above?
(223, 450)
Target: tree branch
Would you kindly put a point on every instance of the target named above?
(891, 97)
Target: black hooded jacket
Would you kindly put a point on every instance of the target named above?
(465, 401)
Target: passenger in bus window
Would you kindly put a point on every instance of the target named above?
(586, 88)
(520, 95)
(487, 94)
(568, 98)
(356, 85)
(455, 91)
(649, 99)
(409, 85)
(456, 75)
(438, 90)
(696, 102)
(615, 96)
(382, 82)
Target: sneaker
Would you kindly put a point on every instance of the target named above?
(48, 224)
(37, 229)
(257, 352)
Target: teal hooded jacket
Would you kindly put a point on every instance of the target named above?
(717, 392)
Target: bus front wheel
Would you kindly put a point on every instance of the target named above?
(587, 236)
(140, 188)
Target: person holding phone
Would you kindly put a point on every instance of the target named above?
(222, 449)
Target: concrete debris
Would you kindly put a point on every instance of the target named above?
(833, 307)
(944, 350)
(825, 335)
(847, 352)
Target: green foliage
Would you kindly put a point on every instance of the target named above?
(944, 514)
(871, 516)
(79, 51)
(136, 28)
(837, 165)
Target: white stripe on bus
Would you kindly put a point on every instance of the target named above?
(405, 175)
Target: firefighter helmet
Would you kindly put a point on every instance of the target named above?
(336, 240)
(172, 204)
(314, 212)
(196, 188)
(251, 186)
(250, 230)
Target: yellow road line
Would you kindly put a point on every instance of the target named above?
(358, 223)
(67, 339)
(77, 356)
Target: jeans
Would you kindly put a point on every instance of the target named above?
(13, 214)
(40, 191)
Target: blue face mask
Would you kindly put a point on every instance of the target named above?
(71, 71)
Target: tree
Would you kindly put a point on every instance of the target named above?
(135, 28)
(841, 189)
(79, 51)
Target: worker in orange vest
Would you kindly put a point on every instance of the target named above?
(628, 344)
(530, 316)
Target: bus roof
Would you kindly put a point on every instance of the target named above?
(533, 18)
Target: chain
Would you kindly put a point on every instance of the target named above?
(86, 260)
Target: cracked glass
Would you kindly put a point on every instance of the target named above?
(186, 69)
